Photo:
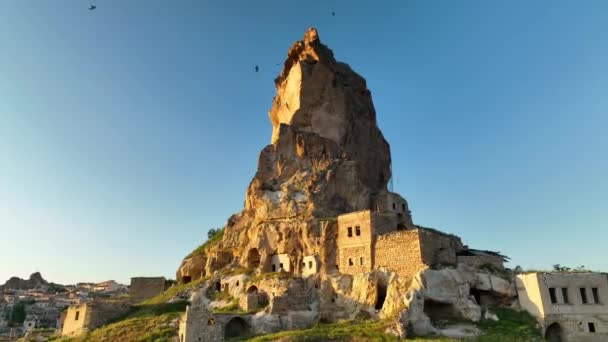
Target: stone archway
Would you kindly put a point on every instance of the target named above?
(236, 327)
(252, 289)
(253, 258)
(554, 333)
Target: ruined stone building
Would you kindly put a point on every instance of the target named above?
(569, 306)
(78, 319)
(143, 288)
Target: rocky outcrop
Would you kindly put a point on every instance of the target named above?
(327, 157)
(315, 93)
(34, 282)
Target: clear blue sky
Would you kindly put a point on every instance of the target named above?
(127, 132)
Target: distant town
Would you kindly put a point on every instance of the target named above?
(35, 306)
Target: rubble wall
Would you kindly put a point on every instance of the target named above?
(399, 252)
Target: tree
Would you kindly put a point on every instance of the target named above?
(212, 232)
(17, 314)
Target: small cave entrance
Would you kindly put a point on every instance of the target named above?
(217, 286)
(483, 298)
(253, 258)
(554, 333)
(437, 311)
(186, 279)
(236, 327)
(380, 296)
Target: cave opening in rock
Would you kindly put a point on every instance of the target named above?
(236, 327)
(483, 298)
(253, 258)
(380, 296)
(217, 286)
(437, 311)
(186, 279)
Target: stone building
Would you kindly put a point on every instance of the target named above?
(78, 319)
(568, 306)
(310, 265)
(199, 324)
(143, 288)
(369, 240)
(280, 263)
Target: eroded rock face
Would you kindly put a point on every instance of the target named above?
(315, 93)
(327, 157)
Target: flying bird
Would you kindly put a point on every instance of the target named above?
(92, 7)
(257, 68)
(333, 14)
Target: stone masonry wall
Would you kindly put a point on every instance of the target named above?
(145, 288)
(101, 312)
(74, 323)
(478, 261)
(198, 324)
(296, 298)
(399, 252)
(438, 248)
(360, 257)
(356, 246)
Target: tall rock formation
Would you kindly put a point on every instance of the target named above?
(34, 282)
(327, 157)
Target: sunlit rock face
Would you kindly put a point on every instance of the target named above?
(315, 93)
(327, 157)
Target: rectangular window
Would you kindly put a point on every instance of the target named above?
(350, 262)
(274, 268)
(361, 260)
(357, 230)
(394, 206)
(591, 327)
(596, 295)
(403, 207)
(552, 295)
(281, 265)
(350, 231)
(310, 264)
(583, 295)
(77, 315)
(565, 295)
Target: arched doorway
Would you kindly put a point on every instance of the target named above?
(252, 289)
(253, 258)
(554, 333)
(236, 327)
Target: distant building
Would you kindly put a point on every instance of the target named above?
(568, 306)
(78, 319)
(143, 288)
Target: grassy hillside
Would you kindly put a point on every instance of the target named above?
(513, 326)
(150, 321)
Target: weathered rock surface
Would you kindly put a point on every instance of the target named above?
(35, 281)
(327, 157)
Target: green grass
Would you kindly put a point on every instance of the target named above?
(200, 249)
(218, 295)
(512, 326)
(233, 307)
(270, 275)
(149, 321)
(171, 292)
(347, 331)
